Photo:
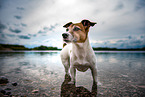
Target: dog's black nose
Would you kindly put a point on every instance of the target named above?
(64, 35)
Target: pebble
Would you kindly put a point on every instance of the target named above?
(3, 92)
(3, 80)
(35, 91)
(14, 84)
(8, 93)
(8, 89)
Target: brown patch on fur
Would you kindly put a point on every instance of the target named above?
(64, 44)
(83, 33)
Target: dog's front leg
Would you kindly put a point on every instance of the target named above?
(94, 74)
(73, 75)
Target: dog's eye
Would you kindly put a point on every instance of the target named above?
(67, 30)
(76, 29)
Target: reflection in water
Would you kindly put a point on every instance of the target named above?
(70, 90)
(122, 74)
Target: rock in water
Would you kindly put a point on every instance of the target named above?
(3, 92)
(3, 80)
(14, 84)
(8, 89)
(35, 91)
(8, 93)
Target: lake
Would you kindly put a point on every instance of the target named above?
(41, 74)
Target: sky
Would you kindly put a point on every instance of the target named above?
(120, 23)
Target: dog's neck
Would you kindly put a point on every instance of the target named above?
(81, 48)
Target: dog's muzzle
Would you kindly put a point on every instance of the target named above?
(65, 35)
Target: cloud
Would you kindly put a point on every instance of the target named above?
(2, 27)
(20, 8)
(24, 25)
(24, 36)
(140, 5)
(42, 32)
(18, 17)
(2, 35)
(32, 35)
(119, 7)
(10, 35)
(15, 30)
(129, 37)
(118, 24)
(126, 42)
(49, 29)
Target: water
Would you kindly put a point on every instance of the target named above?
(120, 74)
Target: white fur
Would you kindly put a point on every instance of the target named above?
(79, 56)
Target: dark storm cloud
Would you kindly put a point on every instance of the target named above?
(47, 29)
(32, 35)
(2, 27)
(119, 41)
(20, 8)
(119, 7)
(52, 27)
(140, 4)
(142, 37)
(129, 37)
(40, 32)
(132, 42)
(1, 1)
(15, 30)
(18, 17)
(2, 35)
(10, 35)
(24, 25)
(24, 37)
(2, 38)
(126, 42)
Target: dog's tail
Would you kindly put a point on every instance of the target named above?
(64, 44)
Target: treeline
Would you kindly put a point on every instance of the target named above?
(12, 47)
(21, 47)
(45, 48)
(115, 49)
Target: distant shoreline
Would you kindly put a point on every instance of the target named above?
(10, 47)
(47, 51)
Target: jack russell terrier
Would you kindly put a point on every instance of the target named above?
(78, 53)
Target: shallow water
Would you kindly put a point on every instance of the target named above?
(121, 73)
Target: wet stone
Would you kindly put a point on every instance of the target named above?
(1, 95)
(35, 91)
(3, 80)
(3, 92)
(8, 89)
(8, 93)
(14, 84)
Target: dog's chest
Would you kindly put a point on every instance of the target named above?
(82, 62)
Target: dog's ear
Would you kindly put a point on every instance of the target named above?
(67, 25)
(87, 23)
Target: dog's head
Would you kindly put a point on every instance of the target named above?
(77, 32)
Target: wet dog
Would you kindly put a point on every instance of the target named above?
(78, 53)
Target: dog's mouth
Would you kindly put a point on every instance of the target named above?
(66, 40)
